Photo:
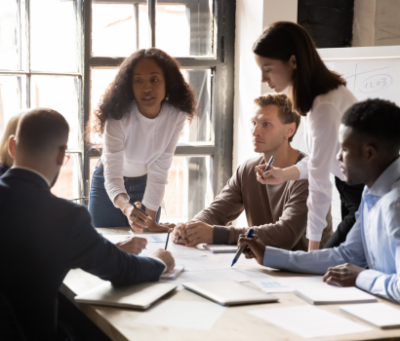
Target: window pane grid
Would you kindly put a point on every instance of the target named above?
(46, 72)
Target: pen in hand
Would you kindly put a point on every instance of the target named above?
(271, 159)
(249, 234)
(166, 243)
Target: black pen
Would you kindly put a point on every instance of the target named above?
(271, 159)
(166, 243)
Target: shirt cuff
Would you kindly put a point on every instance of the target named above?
(150, 206)
(315, 237)
(275, 258)
(220, 234)
(161, 261)
(366, 279)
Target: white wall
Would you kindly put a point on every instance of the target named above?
(251, 17)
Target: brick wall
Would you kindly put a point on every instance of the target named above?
(329, 22)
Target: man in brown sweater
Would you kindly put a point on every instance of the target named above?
(278, 213)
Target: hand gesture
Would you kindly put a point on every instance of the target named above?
(198, 232)
(133, 245)
(255, 247)
(136, 218)
(179, 234)
(166, 257)
(344, 275)
(273, 176)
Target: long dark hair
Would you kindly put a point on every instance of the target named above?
(283, 39)
(119, 95)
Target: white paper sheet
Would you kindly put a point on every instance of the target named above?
(180, 314)
(308, 321)
(379, 314)
(282, 284)
(115, 238)
(238, 275)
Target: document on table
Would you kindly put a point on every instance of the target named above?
(115, 238)
(308, 321)
(380, 315)
(237, 275)
(271, 284)
(182, 314)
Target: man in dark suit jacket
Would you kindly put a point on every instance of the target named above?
(42, 237)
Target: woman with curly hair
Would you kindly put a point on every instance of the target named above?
(141, 115)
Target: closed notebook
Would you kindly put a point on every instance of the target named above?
(229, 292)
(140, 296)
(221, 248)
(380, 315)
(328, 294)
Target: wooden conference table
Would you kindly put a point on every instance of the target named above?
(234, 324)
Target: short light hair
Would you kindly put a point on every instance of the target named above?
(286, 112)
(11, 129)
(41, 130)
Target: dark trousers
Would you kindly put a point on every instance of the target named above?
(350, 197)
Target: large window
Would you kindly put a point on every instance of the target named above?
(63, 54)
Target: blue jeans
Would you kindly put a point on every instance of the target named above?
(103, 211)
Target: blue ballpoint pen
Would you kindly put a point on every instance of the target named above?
(271, 159)
(249, 234)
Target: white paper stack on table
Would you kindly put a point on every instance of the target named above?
(328, 294)
(380, 315)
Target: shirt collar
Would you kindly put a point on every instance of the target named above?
(33, 171)
(386, 180)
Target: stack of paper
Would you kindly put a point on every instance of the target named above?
(328, 294)
(380, 315)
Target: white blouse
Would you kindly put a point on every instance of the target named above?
(136, 145)
(322, 140)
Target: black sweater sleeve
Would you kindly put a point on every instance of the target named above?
(91, 252)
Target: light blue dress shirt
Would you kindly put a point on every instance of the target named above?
(374, 241)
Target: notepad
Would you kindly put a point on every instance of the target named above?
(173, 274)
(140, 296)
(221, 248)
(328, 294)
(380, 315)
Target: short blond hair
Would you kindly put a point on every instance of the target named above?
(11, 129)
(286, 112)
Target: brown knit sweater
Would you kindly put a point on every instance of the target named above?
(278, 213)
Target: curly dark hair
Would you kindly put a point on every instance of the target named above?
(119, 94)
(377, 118)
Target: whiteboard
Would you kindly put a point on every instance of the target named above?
(370, 72)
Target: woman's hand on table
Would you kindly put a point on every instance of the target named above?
(133, 245)
(255, 248)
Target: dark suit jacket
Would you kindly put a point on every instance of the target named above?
(42, 237)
